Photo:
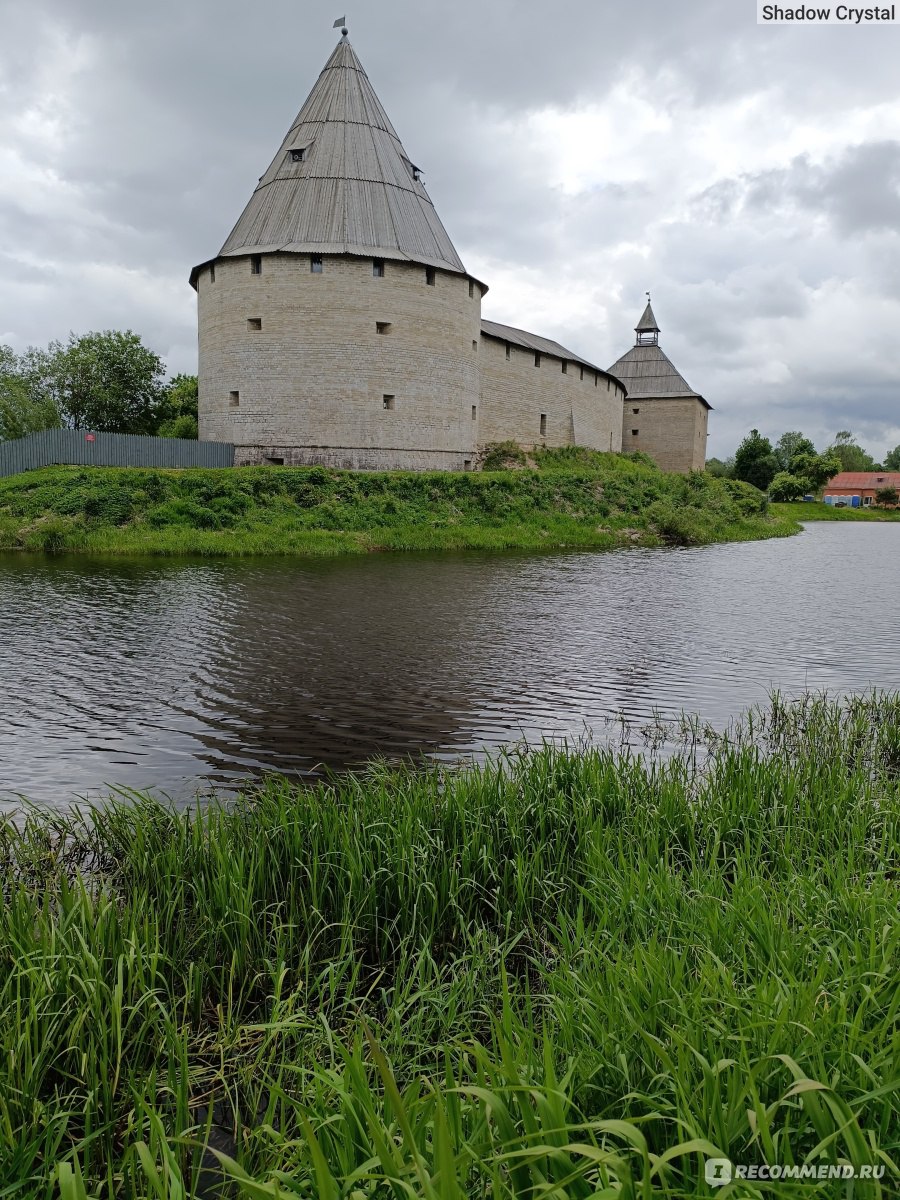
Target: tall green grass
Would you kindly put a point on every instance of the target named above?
(570, 972)
(577, 498)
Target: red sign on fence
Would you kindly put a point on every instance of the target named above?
(89, 437)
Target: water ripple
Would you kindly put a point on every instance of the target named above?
(182, 675)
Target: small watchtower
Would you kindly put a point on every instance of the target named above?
(663, 416)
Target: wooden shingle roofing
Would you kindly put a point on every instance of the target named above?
(647, 372)
(542, 345)
(342, 183)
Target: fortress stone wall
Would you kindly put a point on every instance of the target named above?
(338, 325)
(672, 432)
(539, 399)
(340, 367)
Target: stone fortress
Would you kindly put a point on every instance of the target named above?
(339, 327)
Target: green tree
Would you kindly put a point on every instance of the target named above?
(892, 459)
(852, 457)
(786, 486)
(817, 469)
(789, 445)
(755, 461)
(720, 468)
(178, 410)
(886, 497)
(107, 381)
(25, 407)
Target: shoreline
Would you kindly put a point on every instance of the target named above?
(588, 501)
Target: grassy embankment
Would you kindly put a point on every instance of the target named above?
(567, 974)
(572, 499)
(827, 512)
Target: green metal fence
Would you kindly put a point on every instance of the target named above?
(80, 447)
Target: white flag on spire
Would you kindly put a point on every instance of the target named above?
(339, 22)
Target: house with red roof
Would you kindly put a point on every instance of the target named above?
(858, 489)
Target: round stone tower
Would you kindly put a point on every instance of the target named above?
(337, 324)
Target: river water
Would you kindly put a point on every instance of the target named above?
(183, 675)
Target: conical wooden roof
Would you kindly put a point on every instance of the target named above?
(647, 323)
(341, 182)
(647, 371)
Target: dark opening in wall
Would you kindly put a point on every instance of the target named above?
(565, 367)
(212, 273)
(254, 322)
(634, 433)
(378, 268)
(507, 349)
(467, 464)
(596, 380)
(429, 276)
(635, 410)
(471, 289)
(382, 327)
(474, 411)
(275, 462)
(474, 345)
(543, 424)
(581, 372)
(234, 399)
(537, 360)
(315, 264)
(387, 402)
(256, 264)
(298, 154)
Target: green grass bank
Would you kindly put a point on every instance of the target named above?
(827, 512)
(571, 499)
(570, 973)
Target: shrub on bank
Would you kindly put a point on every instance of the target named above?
(577, 498)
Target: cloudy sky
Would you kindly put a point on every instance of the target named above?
(579, 155)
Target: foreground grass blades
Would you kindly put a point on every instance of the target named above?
(570, 973)
(581, 498)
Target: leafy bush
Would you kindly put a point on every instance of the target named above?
(502, 456)
(786, 486)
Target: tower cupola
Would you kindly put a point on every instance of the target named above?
(647, 329)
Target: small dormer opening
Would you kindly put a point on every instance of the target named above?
(416, 172)
(298, 154)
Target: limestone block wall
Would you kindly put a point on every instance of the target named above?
(581, 406)
(340, 367)
(672, 431)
